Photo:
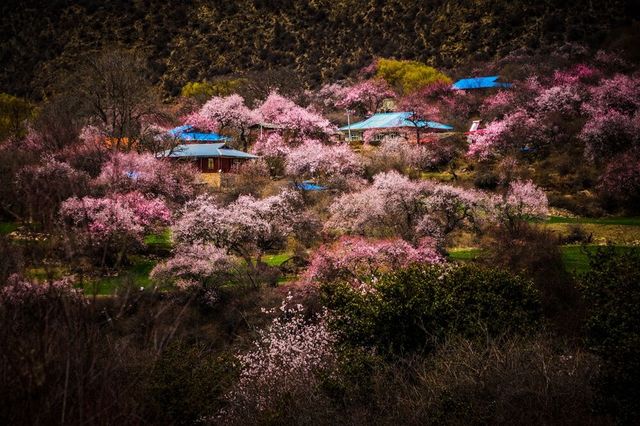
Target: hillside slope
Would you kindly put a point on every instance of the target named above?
(322, 39)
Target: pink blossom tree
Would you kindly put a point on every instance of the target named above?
(44, 186)
(330, 164)
(621, 178)
(521, 202)
(274, 150)
(111, 226)
(396, 153)
(392, 205)
(152, 176)
(358, 259)
(19, 292)
(366, 97)
(221, 114)
(284, 362)
(396, 206)
(514, 132)
(293, 119)
(247, 227)
(201, 268)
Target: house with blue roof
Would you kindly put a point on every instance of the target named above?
(388, 124)
(208, 151)
(490, 82)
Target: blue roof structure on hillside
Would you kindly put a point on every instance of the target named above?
(195, 150)
(188, 133)
(389, 120)
(480, 83)
(308, 185)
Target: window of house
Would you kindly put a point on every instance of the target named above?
(210, 164)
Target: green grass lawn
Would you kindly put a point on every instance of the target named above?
(161, 240)
(8, 227)
(574, 257)
(624, 221)
(276, 259)
(136, 275)
(464, 254)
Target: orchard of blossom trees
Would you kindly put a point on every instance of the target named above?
(304, 275)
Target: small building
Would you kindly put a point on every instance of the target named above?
(208, 151)
(387, 124)
(209, 157)
(490, 82)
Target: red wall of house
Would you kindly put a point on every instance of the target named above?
(224, 164)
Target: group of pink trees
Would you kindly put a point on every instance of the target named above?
(394, 205)
(109, 226)
(580, 108)
(358, 259)
(244, 229)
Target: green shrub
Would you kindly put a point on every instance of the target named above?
(413, 309)
(187, 383)
(611, 291)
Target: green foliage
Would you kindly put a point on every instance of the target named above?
(409, 76)
(612, 293)
(413, 309)
(188, 382)
(14, 113)
(204, 90)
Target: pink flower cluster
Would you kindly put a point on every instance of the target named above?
(392, 202)
(359, 259)
(284, 361)
(128, 215)
(313, 159)
(18, 291)
(223, 113)
(523, 200)
(396, 205)
(126, 172)
(580, 73)
(516, 130)
(271, 146)
(397, 151)
(366, 96)
(244, 227)
(621, 177)
(283, 112)
(195, 265)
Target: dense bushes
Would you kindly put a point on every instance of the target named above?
(612, 293)
(415, 308)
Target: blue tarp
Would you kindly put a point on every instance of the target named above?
(480, 83)
(188, 133)
(195, 150)
(308, 185)
(389, 120)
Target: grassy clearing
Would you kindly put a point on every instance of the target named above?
(276, 259)
(161, 240)
(8, 227)
(574, 257)
(464, 254)
(136, 275)
(622, 235)
(621, 221)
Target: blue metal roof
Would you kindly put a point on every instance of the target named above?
(188, 133)
(387, 120)
(480, 83)
(194, 150)
(308, 185)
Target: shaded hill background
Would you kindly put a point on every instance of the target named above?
(194, 40)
